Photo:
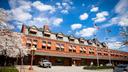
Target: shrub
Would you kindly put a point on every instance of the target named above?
(100, 67)
(8, 69)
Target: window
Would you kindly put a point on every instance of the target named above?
(44, 42)
(49, 44)
(59, 47)
(35, 42)
(82, 50)
(28, 45)
(60, 38)
(46, 35)
(71, 40)
(33, 33)
(91, 52)
(43, 47)
(99, 54)
(72, 48)
(35, 45)
(48, 47)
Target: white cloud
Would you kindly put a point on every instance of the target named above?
(84, 16)
(64, 11)
(100, 17)
(57, 21)
(123, 21)
(121, 6)
(114, 45)
(42, 7)
(20, 10)
(20, 15)
(38, 21)
(76, 26)
(64, 7)
(94, 9)
(122, 10)
(86, 32)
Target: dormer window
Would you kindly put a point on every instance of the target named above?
(71, 38)
(89, 42)
(104, 45)
(33, 30)
(47, 33)
(81, 40)
(59, 36)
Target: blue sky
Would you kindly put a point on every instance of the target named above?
(76, 17)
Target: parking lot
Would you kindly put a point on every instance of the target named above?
(62, 69)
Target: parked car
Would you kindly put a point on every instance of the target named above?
(45, 63)
(121, 68)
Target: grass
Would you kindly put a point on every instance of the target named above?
(8, 69)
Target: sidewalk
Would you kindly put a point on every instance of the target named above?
(24, 68)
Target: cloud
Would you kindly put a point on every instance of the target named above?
(114, 45)
(21, 15)
(84, 16)
(122, 10)
(86, 32)
(121, 7)
(42, 7)
(57, 21)
(20, 10)
(94, 9)
(38, 21)
(100, 17)
(76, 26)
(64, 7)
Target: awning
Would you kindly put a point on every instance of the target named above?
(81, 49)
(84, 49)
(62, 46)
(73, 48)
(70, 47)
(60, 35)
(34, 30)
(28, 41)
(49, 45)
(47, 33)
(44, 44)
(34, 42)
(57, 45)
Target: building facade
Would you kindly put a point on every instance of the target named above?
(67, 50)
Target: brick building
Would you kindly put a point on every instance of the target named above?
(66, 50)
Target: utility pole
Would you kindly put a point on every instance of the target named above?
(108, 47)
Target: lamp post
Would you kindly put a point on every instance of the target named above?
(32, 51)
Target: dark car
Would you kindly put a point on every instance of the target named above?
(121, 68)
(45, 63)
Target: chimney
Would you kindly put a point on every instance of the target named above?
(23, 28)
(46, 27)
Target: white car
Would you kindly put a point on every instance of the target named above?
(45, 63)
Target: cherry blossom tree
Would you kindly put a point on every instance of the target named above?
(10, 42)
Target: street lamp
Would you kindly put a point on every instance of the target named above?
(32, 51)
